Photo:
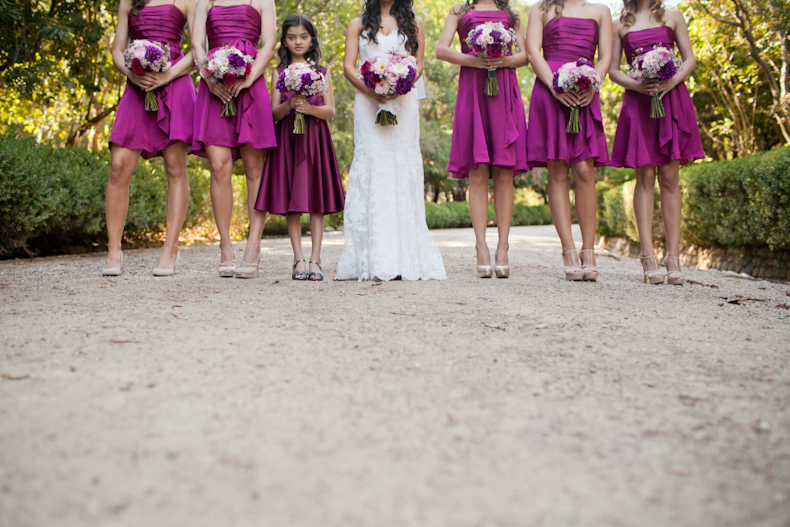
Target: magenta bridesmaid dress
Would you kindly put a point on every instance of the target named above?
(240, 26)
(301, 174)
(152, 132)
(565, 40)
(487, 130)
(640, 140)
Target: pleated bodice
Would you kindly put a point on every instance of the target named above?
(226, 25)
(159, 23)
(637, 42)
(557, 47)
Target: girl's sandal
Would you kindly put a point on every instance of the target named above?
(316, 276)
(298, 275)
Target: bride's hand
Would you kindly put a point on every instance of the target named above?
(381, 99)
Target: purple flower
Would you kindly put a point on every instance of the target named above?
(368, 78)
(667, 71)
(152, 54)
(307, 79)
(556, 83)
(584, 62)
(236, 61)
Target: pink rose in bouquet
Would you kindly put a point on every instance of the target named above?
(145, 56)
(580, 76)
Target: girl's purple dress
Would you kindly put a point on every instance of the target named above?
(152, 132)
(239, 26)
(640, 140)
(301, 174)
(565, 40)
(487, 130)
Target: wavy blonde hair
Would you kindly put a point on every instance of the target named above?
(628, 16)
(546, 6)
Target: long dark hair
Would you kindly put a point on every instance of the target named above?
(313, 54)
(502, 5)
(137, 5)
(403, 11)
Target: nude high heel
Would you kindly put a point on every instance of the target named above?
(654, 276)
(502, 271)
(113, 271)
(167, 272)
(248, 269)
(573, 272)
(674, 277)
(485, 271)
(590, 271)
(228, 268)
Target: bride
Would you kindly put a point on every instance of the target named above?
(386, 236)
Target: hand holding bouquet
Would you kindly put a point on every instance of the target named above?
(659, 63)
(580, 76)
(145, 56)
(389, 74)
(491, 40)
(301, 78)
(227, 65)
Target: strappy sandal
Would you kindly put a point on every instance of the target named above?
(228, 268)
(319, 274)
(590, 271)
(298, 275)
(573, 272)
(654, 276)
(674, 277)
(248, 269)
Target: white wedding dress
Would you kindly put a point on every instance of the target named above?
(384, 220)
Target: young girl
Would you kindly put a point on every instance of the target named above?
(565, 31)
(248, 133)
(489, 133)
(301, 174)
(660, 145)
(166, 133)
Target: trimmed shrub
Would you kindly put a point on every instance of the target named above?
(455, 214)
(740, 203)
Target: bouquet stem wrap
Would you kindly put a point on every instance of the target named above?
(229, 109)
(299, 126)
(573, 121)
(657, 107)
(492, 86)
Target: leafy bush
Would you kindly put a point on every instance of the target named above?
(455, 214)
(53, 198)
(740, 203)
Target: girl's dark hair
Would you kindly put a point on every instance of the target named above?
(403, 11)
(502, 5)
(313, 54)
(137, 5)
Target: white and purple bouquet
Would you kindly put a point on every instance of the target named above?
(227, 65)
(492, 40)
(580, 76)
(389, 74)
(145, 56)
(303, 79)
(659, 63)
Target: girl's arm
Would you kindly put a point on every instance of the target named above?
(445, 51)
(265, 54)
(199, 53)
(279, 108)
(605, 39)
(678, 24)
(350, 70)
(325, 112)
(121, 42)
(183, 66)
(535, 55)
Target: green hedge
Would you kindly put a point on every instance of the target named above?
(453, 215)
(53, 198)
(740, 203)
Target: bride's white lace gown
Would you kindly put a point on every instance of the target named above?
(384, 220)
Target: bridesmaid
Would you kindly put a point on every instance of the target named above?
(566, 31)
(246, 135)
(136, 132)
(660, 145)
(489, 133)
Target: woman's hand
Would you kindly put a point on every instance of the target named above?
(220, 91)
(161, 79)
(236, 87)
(664, 87)
(144, 81)
(585, 98)
(481, 63)
(381, 99)
(501, 62)
(649, 87)
(300, 104)
(569, 99)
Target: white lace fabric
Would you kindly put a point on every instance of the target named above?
(384, 220)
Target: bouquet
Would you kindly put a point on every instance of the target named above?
(492, 40)
(659, 63)
(580, 76)
(389, 74)
(228, 65)
(142, 56)
(301, 78)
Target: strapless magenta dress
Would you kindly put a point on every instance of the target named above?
(151, 132)
(565, 40)
(239, 26)
(301, 174)
(487, 130)
(640, 140)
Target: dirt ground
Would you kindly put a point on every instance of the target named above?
(200, 401)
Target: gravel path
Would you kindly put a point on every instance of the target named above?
(199, 401)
